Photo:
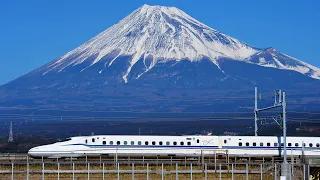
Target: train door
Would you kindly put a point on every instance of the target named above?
(220, 145)
(220, 141)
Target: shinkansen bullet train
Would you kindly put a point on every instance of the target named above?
(126, 145)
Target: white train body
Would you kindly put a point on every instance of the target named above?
(127, 145)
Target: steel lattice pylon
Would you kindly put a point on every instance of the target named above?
(10, 133)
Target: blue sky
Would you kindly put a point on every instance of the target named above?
(35, 32)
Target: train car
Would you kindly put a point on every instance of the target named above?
(133, 145)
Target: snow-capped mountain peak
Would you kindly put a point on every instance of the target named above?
(158, 32)
(161, 34)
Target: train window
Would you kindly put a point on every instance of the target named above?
(104, 142)
(153, 143)
(168, 143)
(111, 142)
(189, 143)
(247, 144)
(139, 142)
(125, 142)
(132, 142)
(225, 141)
(240, 143)
(118, 142)
(198, 141)
(310, 144)
(289, 144)
(188, 138)
(296, 144)
(174, 143)
(282, 144)
(146, 143)
(181, 143)
(304, 144)
(268, 144)
(254, 144)
(86, 141)
(275, 144)
(93, 139)
(160, 143)
(97, 137)
(318, 145)
(261, 144)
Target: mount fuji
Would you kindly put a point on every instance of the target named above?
(161, 59)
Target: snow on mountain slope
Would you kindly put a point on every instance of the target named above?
(162, 33)
(272, 58)
(153, 34)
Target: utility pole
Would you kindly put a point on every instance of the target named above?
(10, 133)
(285, 165)
(255, 111)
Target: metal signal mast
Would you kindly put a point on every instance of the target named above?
(279, 100)
(10, 133)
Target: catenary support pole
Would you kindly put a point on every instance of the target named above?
(58, 170)
(88, 171)
(247, 172)
(261, 172)
(102, 171)
(12, 170)
(147, 171)
(232, 172)
(191, 171)
(162, 172)
(118, 168)
(177, 177)
(132, 171)
(255, 111)
(290, 174)
(72, 171)
(43, 171)
(285, 165)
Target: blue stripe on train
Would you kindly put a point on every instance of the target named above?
(192, 147)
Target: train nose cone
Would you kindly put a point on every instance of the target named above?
(32, 152)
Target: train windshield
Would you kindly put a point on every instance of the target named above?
(67, 139)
